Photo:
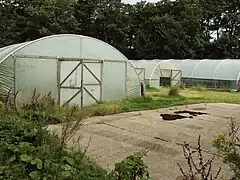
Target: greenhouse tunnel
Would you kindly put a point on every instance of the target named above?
(75, 69)
(157, 73)
(210, 73)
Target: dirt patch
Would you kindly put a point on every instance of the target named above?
(173, 117)
(192, 113)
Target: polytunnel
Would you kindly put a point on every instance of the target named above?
(76, 69)
(157, 73)
(209, 72)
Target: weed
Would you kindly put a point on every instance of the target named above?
(201, 170)
(173, 92)
(228, 146)
(39, 103)
(182, 86)
(72, 123)
(131, 168)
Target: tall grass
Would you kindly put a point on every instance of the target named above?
(155, 98)
(174, 92)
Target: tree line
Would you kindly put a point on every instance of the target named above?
(180, 29)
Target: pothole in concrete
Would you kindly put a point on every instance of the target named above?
(176, 115)
(172, 117)
(192, 113)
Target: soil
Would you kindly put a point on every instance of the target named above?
(114, 137)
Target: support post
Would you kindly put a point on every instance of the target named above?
(101, 82)
(126, 79)
(59, 81)
(82, 82)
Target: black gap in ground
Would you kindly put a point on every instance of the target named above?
(192, 113)
(172, 117)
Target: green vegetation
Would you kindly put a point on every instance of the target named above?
(228, 148)
(159, 98)
(174, 92)
(29, 151)
(155, 98)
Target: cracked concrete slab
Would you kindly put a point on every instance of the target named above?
(116, 136)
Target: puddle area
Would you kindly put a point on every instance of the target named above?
(177, 115)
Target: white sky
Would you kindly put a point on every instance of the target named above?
(134, 1)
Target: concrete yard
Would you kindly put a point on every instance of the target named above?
(116, 136)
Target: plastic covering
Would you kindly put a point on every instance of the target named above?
(35, 64)
(133, 81)
(226, 69)
(154, 69)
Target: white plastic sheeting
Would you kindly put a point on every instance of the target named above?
(224, 69)
(154, 69)
(35, 64)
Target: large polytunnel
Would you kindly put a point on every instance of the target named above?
(75, 69)
(152, 72)
(209, 72)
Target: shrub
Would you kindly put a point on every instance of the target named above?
(131, 168)
(29, 151)
(228, 146)
(174, 91)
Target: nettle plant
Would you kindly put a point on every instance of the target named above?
(132, 168)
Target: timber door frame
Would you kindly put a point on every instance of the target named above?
(81, 63)
(179, 72)
(99, 80)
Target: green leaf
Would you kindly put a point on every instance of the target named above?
(12, 158)
(13, 148)
(66, 167)
(26, 158)
(65, 174)
(69, 160)
(35, 175)
(37, 162)
(25, 147)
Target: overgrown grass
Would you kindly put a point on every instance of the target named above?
(173, 92)
(155, 98)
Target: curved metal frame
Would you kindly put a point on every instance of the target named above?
(218, 67)
(197, 66)
(26, 44)
(59, 35)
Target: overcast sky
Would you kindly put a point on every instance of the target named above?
(134, 1)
